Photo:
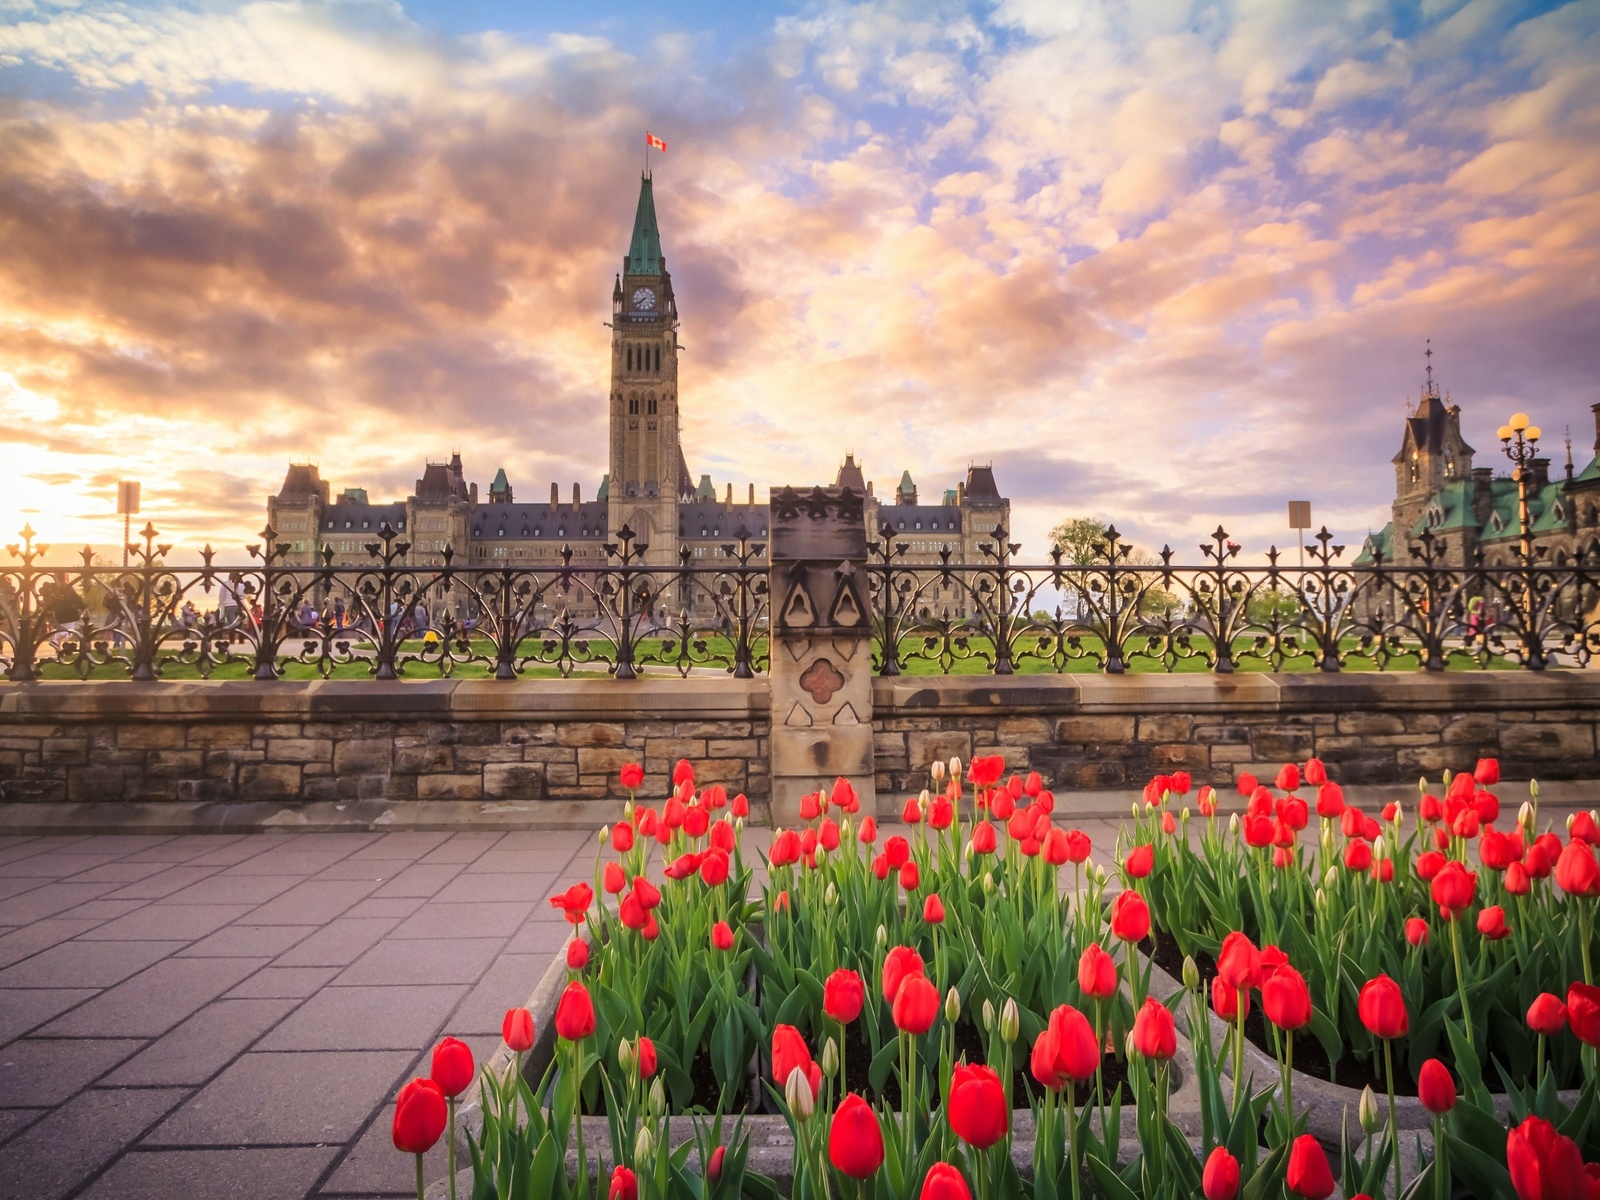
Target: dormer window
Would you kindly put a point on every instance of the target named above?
(502, 532)
(347, 524)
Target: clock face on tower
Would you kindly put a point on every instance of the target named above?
(643, 299)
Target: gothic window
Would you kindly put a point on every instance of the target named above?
(1416, 470)
(633, 406)
(1449, 466)
(658, 358)
(652, 407)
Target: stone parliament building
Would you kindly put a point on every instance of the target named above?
(649, 487)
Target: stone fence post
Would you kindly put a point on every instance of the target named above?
(821, 674)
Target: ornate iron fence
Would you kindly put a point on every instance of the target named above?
(1112, 613)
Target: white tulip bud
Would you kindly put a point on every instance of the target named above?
(658, 1097)
(882, 937)
(605, 834)
(1371, 1118)
(937, 770)
(831, 896)
(923, 800)
(1191, 972)
(642, 1145)
(1134, 807)
(797, 1095)
(1010, 1021)
(952, 1005)
(627, 809)
(1327, 840)
(1331, 879)
(1533, 788)
(1525, 816)
(955, 767)
(1380, 849)
(1320, 899)
(1233, 823)
(625, 1056)
(1422, 785)
(988, 881)
(988, 1014)
(830, 1058)
(1183, 815)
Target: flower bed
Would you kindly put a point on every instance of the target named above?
(890, 988)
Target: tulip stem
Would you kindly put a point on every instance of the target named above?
(419, 1177)
(1240, 999)
(1461, 983)
(450, 1151)
(1072, 1135)
(1394, 1128)
(577, 1115)
(1288, 1084)
(1441, 1171)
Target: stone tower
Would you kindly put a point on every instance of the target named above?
(1432, 455)
(647, 469)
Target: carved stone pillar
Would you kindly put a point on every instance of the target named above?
(821, 677)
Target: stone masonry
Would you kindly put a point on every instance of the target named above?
(551, 749)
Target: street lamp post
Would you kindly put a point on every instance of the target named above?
(1520, 440)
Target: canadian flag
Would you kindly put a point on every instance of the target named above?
(652, 141)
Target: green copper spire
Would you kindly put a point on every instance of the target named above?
(644, 253)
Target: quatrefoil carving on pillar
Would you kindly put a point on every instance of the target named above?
(821, 680)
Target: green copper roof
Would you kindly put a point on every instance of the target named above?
(501, 483)
(905, 481)
(644, 253)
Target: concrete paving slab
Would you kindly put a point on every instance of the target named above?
(60, 1151)
(19, 884)
(155, 1000)
(506, 862)
(275, 982)
(338, 943)
(27, 940)
(223, 888)
(484, 919)
(461, 848)
(395, 963)
(268, 1173)
(504, 985)
(312, 900)
(373, 1167)
(396, 908)
(25, 1009)
(86, 964)
(366, 1018)
(289, 1098)
(200, 1047)
(421, 879)
(104, 910)
(539, 938)
(248, 941)
(61, 864)
(120, 871)
(305, 854)
(525, 885)
(378, 870)
(14, 1120)
(168, 920)
(48, 900)
(164, 883)
(46, 1071)
(409, 846)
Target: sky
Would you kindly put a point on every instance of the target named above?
(1165, 264)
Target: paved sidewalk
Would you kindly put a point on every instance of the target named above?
(231, 1016)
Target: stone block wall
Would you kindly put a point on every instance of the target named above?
(560, 741)
(1116, 732)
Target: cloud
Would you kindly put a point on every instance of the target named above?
(1166, 264)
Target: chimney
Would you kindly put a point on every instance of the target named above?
(753, 486)
(961, 492)
(575, 498)
(555, 496)
(729, 501)
(1482, 493)
(1538, 474)
(1595, 409)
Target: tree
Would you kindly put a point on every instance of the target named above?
(1084, 543)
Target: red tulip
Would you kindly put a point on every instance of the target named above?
(1097, 973)
(1547, 1015)
(1130, 917)
(714, 868)
(1221, 1178)
(574, 902)
(682, 867)
(1065, 1049)
(631, 912)
(985, 771)
(983, 841)
(855, 1139)
(1226, 1000)
(1248, 784)
(1057, 847)
(714, 1167)
(1518, 882)
(1308, 1174)
(915, 1005)
(1155, 1034)
(577, 954)
(1453, 888)
(898, 964)
(722, 936)
(789, 1053)
(1430, 809)
(1435, 1088)
(649, 894)
(1033, 785)
(944, 1182)
(1078, 846)
(1492, 923)
(517, 1029)
(1292, 812)
(624, 1184)
(1315, 773)
(1179, 783)
(613, 878)
(1540, 858)
(683, 772)
(868, 833)
(1544, 1165)
(1286, 999)
(785, 849)
(575, 1012)
(646, 1051)
(1487, 772)
(1239, 962)
(420, 1114)
(941, 813)
(1417, 931)
(910, 876)
(1429, 863)
(1583, 828)
(1272, 961)
(1259, 830)
(911, 811)
(933, 909)
(1140, 862)
(622, 837)
(1357, 855)
(1583, 1012)
(844, 796)
(898, 851)
(1330, 801)
(652, 928)
(696, 821)
(976, 1108)
(843, 995)
(1383, 1009)
(1002, 807)
(1577, 872)
(632, 776)
(1496, 850)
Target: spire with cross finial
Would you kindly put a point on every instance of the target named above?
(1429, 390)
